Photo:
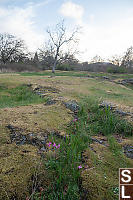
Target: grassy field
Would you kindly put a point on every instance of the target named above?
(77, 74)
(83, 151)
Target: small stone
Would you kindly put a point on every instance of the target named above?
(72, 105)
(121, 112)
(105, 77)
(125, 81)
(43, 149)
(107, 104)
(50, 102)
(128, 150)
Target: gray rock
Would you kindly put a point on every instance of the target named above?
(72, 105)
(50, 102)
(17, 136)
(107, 105)
(43, 149)
(105, 77)
(128, 150)
(100, 141)
(114, 108)
(122, 112)
(125, 81)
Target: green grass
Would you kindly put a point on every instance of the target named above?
(58, 73)
(76, 74)
(104, 121)
(18, 96)
(63, 168)
(100, 74)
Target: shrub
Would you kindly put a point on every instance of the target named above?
(117, 70)
(65, 67)
(18, 67)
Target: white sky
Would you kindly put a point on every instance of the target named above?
(107, 26)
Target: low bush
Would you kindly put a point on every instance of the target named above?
(17, 67)
(119, 70)
(65, 67)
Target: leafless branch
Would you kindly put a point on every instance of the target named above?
(60, 37)
(11, 49)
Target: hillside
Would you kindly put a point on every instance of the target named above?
(64, 136)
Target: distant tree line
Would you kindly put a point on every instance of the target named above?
(59, 52)
(11, 49)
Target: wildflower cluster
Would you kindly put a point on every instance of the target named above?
(79, 167)
(74, 120)
(53, 145)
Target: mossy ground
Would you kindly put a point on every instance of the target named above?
(17, 167)
(100, 177)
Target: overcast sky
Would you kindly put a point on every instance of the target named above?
(107, 25)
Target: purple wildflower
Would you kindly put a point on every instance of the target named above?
(54, 145)
(75, 120)
(58, 146)
(79, 167)
(49, 144)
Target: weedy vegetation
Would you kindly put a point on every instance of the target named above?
(81, 163)
(66, 165)
(18, 96)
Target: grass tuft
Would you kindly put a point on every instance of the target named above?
(104, 121)
(18, 96)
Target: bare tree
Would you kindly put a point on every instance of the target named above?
(36, 60)
(116, 60)
(46, 55)
(11, 49)
(96, 59)
(67, 58)
(127, 60)
(59, 37)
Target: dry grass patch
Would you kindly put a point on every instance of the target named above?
(17, 167)
(36, 118)
(100, 176)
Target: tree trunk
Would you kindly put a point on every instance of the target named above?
(55, 60)
(54, 66)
